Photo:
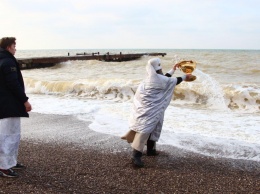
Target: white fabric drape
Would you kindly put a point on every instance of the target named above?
(151, 99)
(140, 141)
(10, 135)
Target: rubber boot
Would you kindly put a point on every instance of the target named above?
(151, 148)
(136, 158)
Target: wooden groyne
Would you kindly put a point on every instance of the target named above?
(40, 62)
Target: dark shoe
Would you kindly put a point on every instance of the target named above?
(8, 173)
(136, 159)
(151, 148)
(152, 153)
(19, 166)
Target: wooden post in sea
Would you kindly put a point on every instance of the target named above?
(120, 56)
(107, 57)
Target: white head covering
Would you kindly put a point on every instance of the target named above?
(153, 79)
(156, 63)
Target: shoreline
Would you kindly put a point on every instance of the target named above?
(100, 163)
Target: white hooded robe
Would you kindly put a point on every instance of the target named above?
(151, 99)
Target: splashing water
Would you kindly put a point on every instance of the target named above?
(210, 87)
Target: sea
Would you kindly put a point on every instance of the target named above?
(216, 115)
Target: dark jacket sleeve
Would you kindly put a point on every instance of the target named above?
(12, 81)
(168, 75)
(179, 79)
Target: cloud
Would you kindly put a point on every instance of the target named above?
(131, 23)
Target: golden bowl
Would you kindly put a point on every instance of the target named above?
(187, 66)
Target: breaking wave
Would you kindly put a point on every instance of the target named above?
(206, 93)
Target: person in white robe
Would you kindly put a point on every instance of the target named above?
(151, 99)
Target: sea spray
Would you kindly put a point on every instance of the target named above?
(211, 88)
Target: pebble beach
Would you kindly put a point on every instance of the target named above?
(100, 163)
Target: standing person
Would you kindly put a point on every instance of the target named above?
(13, 105)
(151, 99)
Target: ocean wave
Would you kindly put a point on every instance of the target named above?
(245, 97)
(96, 89)
(208, 93)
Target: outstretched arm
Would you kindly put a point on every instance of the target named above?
(171, 72)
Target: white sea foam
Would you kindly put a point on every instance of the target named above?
(210, 132)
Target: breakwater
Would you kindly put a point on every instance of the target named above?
(41, 62)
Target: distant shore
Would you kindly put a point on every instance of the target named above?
(63, 155)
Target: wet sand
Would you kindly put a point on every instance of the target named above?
(63, 156)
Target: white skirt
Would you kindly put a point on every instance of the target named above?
(10, 135)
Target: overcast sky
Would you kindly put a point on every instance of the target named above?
(126, 24)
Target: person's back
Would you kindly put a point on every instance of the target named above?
(149, 104)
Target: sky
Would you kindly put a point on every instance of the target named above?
(131, 24)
